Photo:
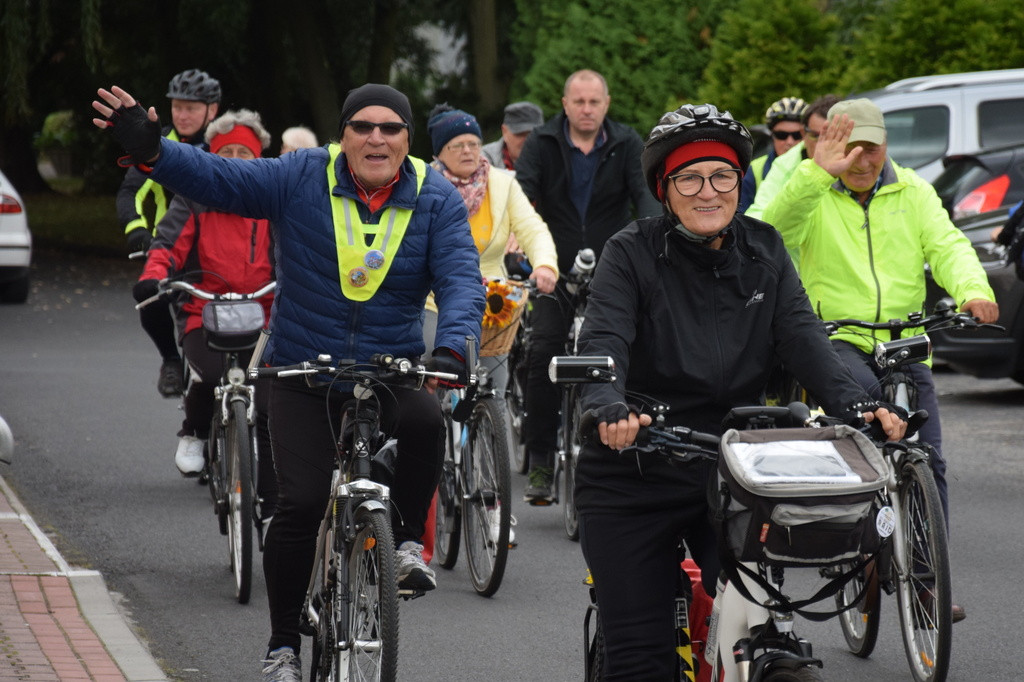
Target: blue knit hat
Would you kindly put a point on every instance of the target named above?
(445, 124)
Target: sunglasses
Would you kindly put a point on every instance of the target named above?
(812, 134)
(389, 129)
(783, 134)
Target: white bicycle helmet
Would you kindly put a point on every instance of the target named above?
(786, 109)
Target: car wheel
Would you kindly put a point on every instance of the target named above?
(15, 291)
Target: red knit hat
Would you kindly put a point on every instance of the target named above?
(240, 134)
(695, 152)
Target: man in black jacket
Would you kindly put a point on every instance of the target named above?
(582, 172)
(141, 203)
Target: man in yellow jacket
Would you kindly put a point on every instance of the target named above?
(864, 228)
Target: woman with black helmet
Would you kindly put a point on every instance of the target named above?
(694, 307)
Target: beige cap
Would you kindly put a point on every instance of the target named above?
(868, 124)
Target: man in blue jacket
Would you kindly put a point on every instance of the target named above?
(362, 236)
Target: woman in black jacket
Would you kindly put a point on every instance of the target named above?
(695, 307)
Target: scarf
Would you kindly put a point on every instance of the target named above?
(474, 188)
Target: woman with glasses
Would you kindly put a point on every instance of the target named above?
(694, 307)
(498, 209)
(784, 121)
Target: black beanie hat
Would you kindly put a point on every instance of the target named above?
(376, 94)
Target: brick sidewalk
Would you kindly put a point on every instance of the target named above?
(45, 632)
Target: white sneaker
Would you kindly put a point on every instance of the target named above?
(494, 521)
(189, 457)
(413, 572)
(282, 665)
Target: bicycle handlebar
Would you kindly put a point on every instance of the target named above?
(944, 317)
(167, 285)
(383, 364)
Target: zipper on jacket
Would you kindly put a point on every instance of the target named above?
(252, 244)
(717, 344)
(874, 275)
(353, 324)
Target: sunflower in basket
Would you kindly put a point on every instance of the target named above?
(501, 304)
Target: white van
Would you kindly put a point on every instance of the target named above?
(929, 117)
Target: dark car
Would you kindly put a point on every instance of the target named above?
(986, 353)
(983, 181)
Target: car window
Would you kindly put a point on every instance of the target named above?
(1000, 122)
(919, 135)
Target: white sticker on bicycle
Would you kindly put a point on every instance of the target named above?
(885, 522)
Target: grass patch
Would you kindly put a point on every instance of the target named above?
(83, 223)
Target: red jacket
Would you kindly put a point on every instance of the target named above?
(227, 252)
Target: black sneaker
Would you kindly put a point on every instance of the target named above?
(538, 490)
(171, 382)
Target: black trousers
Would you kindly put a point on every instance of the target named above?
(634, 559)
(157, 320)
(550, 318)
(304, 424)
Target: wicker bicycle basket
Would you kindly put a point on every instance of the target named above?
(505, 303)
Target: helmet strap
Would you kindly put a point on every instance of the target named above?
(699, 238)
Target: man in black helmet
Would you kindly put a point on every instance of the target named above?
(694, 306)
(195, 97)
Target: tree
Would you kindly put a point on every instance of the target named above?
(651, 58)
(767, 49)
(293, 67)
(921, 37)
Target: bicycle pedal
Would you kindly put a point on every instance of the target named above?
(410, 594)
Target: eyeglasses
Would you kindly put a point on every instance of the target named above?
(467, 146)
(388, 129)
(812, 134)
(691, 184)
(783, 134)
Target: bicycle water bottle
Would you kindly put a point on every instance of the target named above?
(582, 266)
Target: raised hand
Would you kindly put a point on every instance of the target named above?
(831, 153)
(137, 130)
(115, 98)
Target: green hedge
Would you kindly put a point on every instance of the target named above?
(86, 223)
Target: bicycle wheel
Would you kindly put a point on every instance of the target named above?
(372, 631)
(487, 510)
(595, 654)
(239, 496)
(860, 621)
(923, 590)
(324, 599)
(515, 401)
(570, 451)
(217, 473)
(448, 516)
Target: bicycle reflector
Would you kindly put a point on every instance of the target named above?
(574, 369)
(903, 351)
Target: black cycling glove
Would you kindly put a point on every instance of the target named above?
(445, 360)
(139, 136)
(139, 239)
(145, 288)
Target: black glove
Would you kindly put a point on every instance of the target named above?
(139, 239)
(145, 288)
(444, 360)
(139, 136)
